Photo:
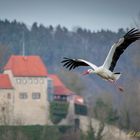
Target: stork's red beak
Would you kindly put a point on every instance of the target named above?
(85, 72)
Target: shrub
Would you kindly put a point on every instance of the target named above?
(58, 111)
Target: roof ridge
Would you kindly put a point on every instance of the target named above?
(31, 65)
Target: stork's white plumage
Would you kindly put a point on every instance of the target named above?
(106, 70)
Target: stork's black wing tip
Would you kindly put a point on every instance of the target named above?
(65, 59)
(132, 35)
(69, 63)
(132, 32)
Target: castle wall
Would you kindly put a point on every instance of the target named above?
(30, 101)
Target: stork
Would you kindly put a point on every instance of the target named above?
(105, 71)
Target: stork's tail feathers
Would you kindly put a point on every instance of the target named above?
(117, 75)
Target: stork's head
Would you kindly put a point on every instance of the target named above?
(89, 71)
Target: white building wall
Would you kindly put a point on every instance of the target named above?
(6, 106)
(30, 111)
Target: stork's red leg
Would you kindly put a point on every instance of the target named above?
(120, 88)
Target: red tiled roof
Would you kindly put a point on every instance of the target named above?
(26, 66)
(59, 87)
(5, 82)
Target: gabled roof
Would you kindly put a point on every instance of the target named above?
(5, 82)
(26, 66)
(59, 87)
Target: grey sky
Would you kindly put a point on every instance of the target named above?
(90, 14)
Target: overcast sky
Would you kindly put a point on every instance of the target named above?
(90, 14)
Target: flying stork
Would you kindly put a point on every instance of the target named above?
(106, 70)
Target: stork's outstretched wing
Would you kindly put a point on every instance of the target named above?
(73, 63)
(118, 48)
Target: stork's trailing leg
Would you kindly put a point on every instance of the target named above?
(120, 88)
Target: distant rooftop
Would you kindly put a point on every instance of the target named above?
(78, 99)
(5, 82)
(29, 66)
(59, 87)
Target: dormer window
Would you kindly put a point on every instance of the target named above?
(18, 81)
(41, 81)
(30, 81)
(36, 81)
(24, 81)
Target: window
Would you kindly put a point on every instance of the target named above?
(18, 81)
(56, 97)
(64, 98)
(24, 81)
(50, 90)
(3, 109)
(50, 83)
(23, 95)
(35, 81)
(9, 96)
(36, 95)
(41, 81)
(30, 81)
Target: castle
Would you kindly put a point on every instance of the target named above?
(26, 89)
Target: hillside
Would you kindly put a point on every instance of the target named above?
(54, 43)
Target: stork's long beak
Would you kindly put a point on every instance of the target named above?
(85, 72)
